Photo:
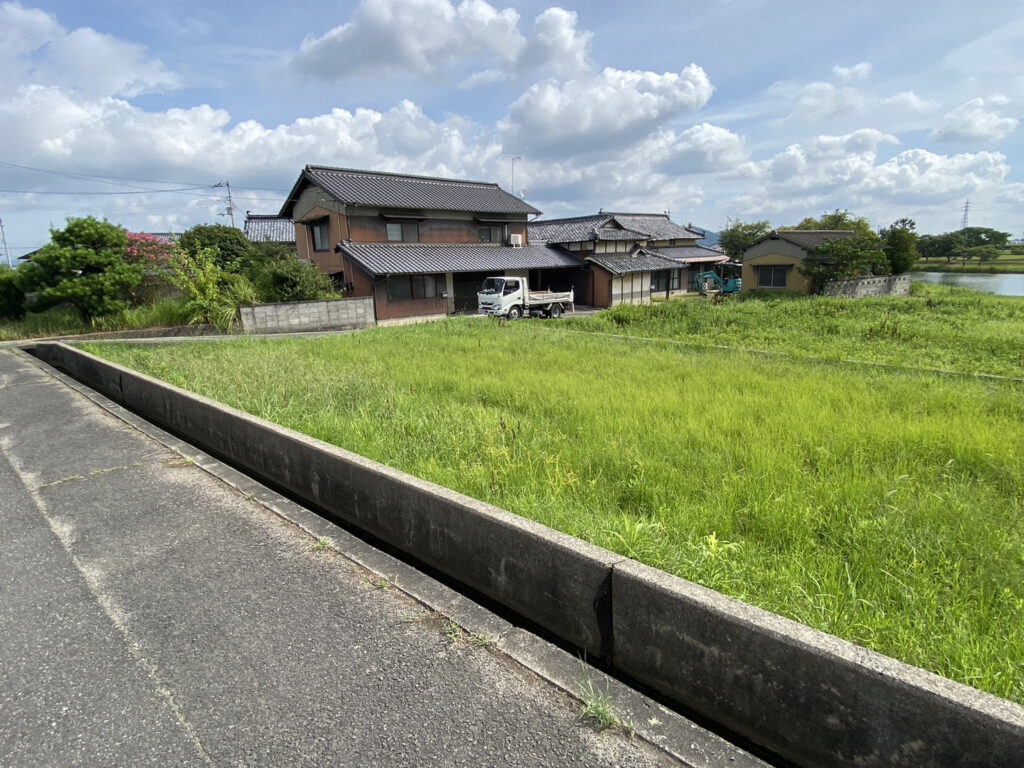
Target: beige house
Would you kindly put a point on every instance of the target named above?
(773, 263)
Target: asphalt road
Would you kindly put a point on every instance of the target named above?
(151, 614)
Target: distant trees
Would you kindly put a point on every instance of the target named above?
(982, 243)
(737, 236)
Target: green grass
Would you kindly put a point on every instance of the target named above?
(879, 505)
(65, 321)
(1011, 263)
(937, 327)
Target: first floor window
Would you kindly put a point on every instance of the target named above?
(405, 287)
(771, 277)
(321, 232)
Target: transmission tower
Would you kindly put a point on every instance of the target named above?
(963, 221)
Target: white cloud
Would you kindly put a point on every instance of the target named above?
(910, 102)
(35, 48)
(556, 45)
(615, 107)
(427, 37)
(860, 71)
(919, 174)
(819, 101)
(972, 121)
(704, 148)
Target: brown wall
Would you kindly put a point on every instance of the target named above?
(393, 310)
(326, 261)
(602, 282)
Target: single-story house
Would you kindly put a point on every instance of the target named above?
(269, 228)
(632, 257)
(773, 262)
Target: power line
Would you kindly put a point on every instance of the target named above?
(143, 192)
(118, 179)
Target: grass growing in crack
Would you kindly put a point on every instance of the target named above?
(597, 705)
(479, 639)
(453, 631)
(378, 582)
(323, 543)
(882, 506)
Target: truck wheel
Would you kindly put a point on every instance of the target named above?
(514, 313)
(555, 312)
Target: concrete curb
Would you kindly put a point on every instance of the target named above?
(814, 699)
(680, 738)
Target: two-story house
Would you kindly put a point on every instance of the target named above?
(419, 245)
(631, 256)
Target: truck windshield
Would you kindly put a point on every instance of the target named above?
(492, 285)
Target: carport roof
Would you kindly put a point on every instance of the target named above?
(417, 259)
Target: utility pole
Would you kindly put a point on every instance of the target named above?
(231, 205)
(4, 234)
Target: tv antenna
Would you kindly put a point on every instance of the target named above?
(513, 158)
(963, 221)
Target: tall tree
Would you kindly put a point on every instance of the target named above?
(857, 256)
(84, 265)
(838, 219)
(899, 242)
(737, 236)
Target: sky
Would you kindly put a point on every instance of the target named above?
(718, 110)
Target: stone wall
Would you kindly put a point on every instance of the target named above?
(896, 285)
(308, 316)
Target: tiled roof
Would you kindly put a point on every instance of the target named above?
(409, 259)
(260, 228)
(689, 254)
(658, 225)
(395, 190)
(625, 265)
(630, 226)
(574, 230)
(809, 238)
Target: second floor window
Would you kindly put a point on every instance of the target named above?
(490, 234)
(321, 231)
(404, 232)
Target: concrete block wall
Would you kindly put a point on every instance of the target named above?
(308, 315)
(813, 699)
(894, 285)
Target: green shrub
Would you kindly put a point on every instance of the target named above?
(289, 279)
(12, 298)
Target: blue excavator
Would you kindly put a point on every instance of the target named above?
(712, 282)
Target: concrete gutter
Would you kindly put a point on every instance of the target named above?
(810, 697)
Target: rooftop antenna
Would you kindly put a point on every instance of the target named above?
(4, 234)
(231, 205)
(513, 158)
(963, 221)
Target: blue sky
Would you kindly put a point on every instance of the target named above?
(748, 109)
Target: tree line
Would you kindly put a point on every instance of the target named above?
(100, 269)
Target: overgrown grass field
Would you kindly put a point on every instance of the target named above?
(878, 505)
(937, 327)
(65, 321)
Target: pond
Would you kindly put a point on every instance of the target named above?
(1007, 284)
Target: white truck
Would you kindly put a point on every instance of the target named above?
(511, 297)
